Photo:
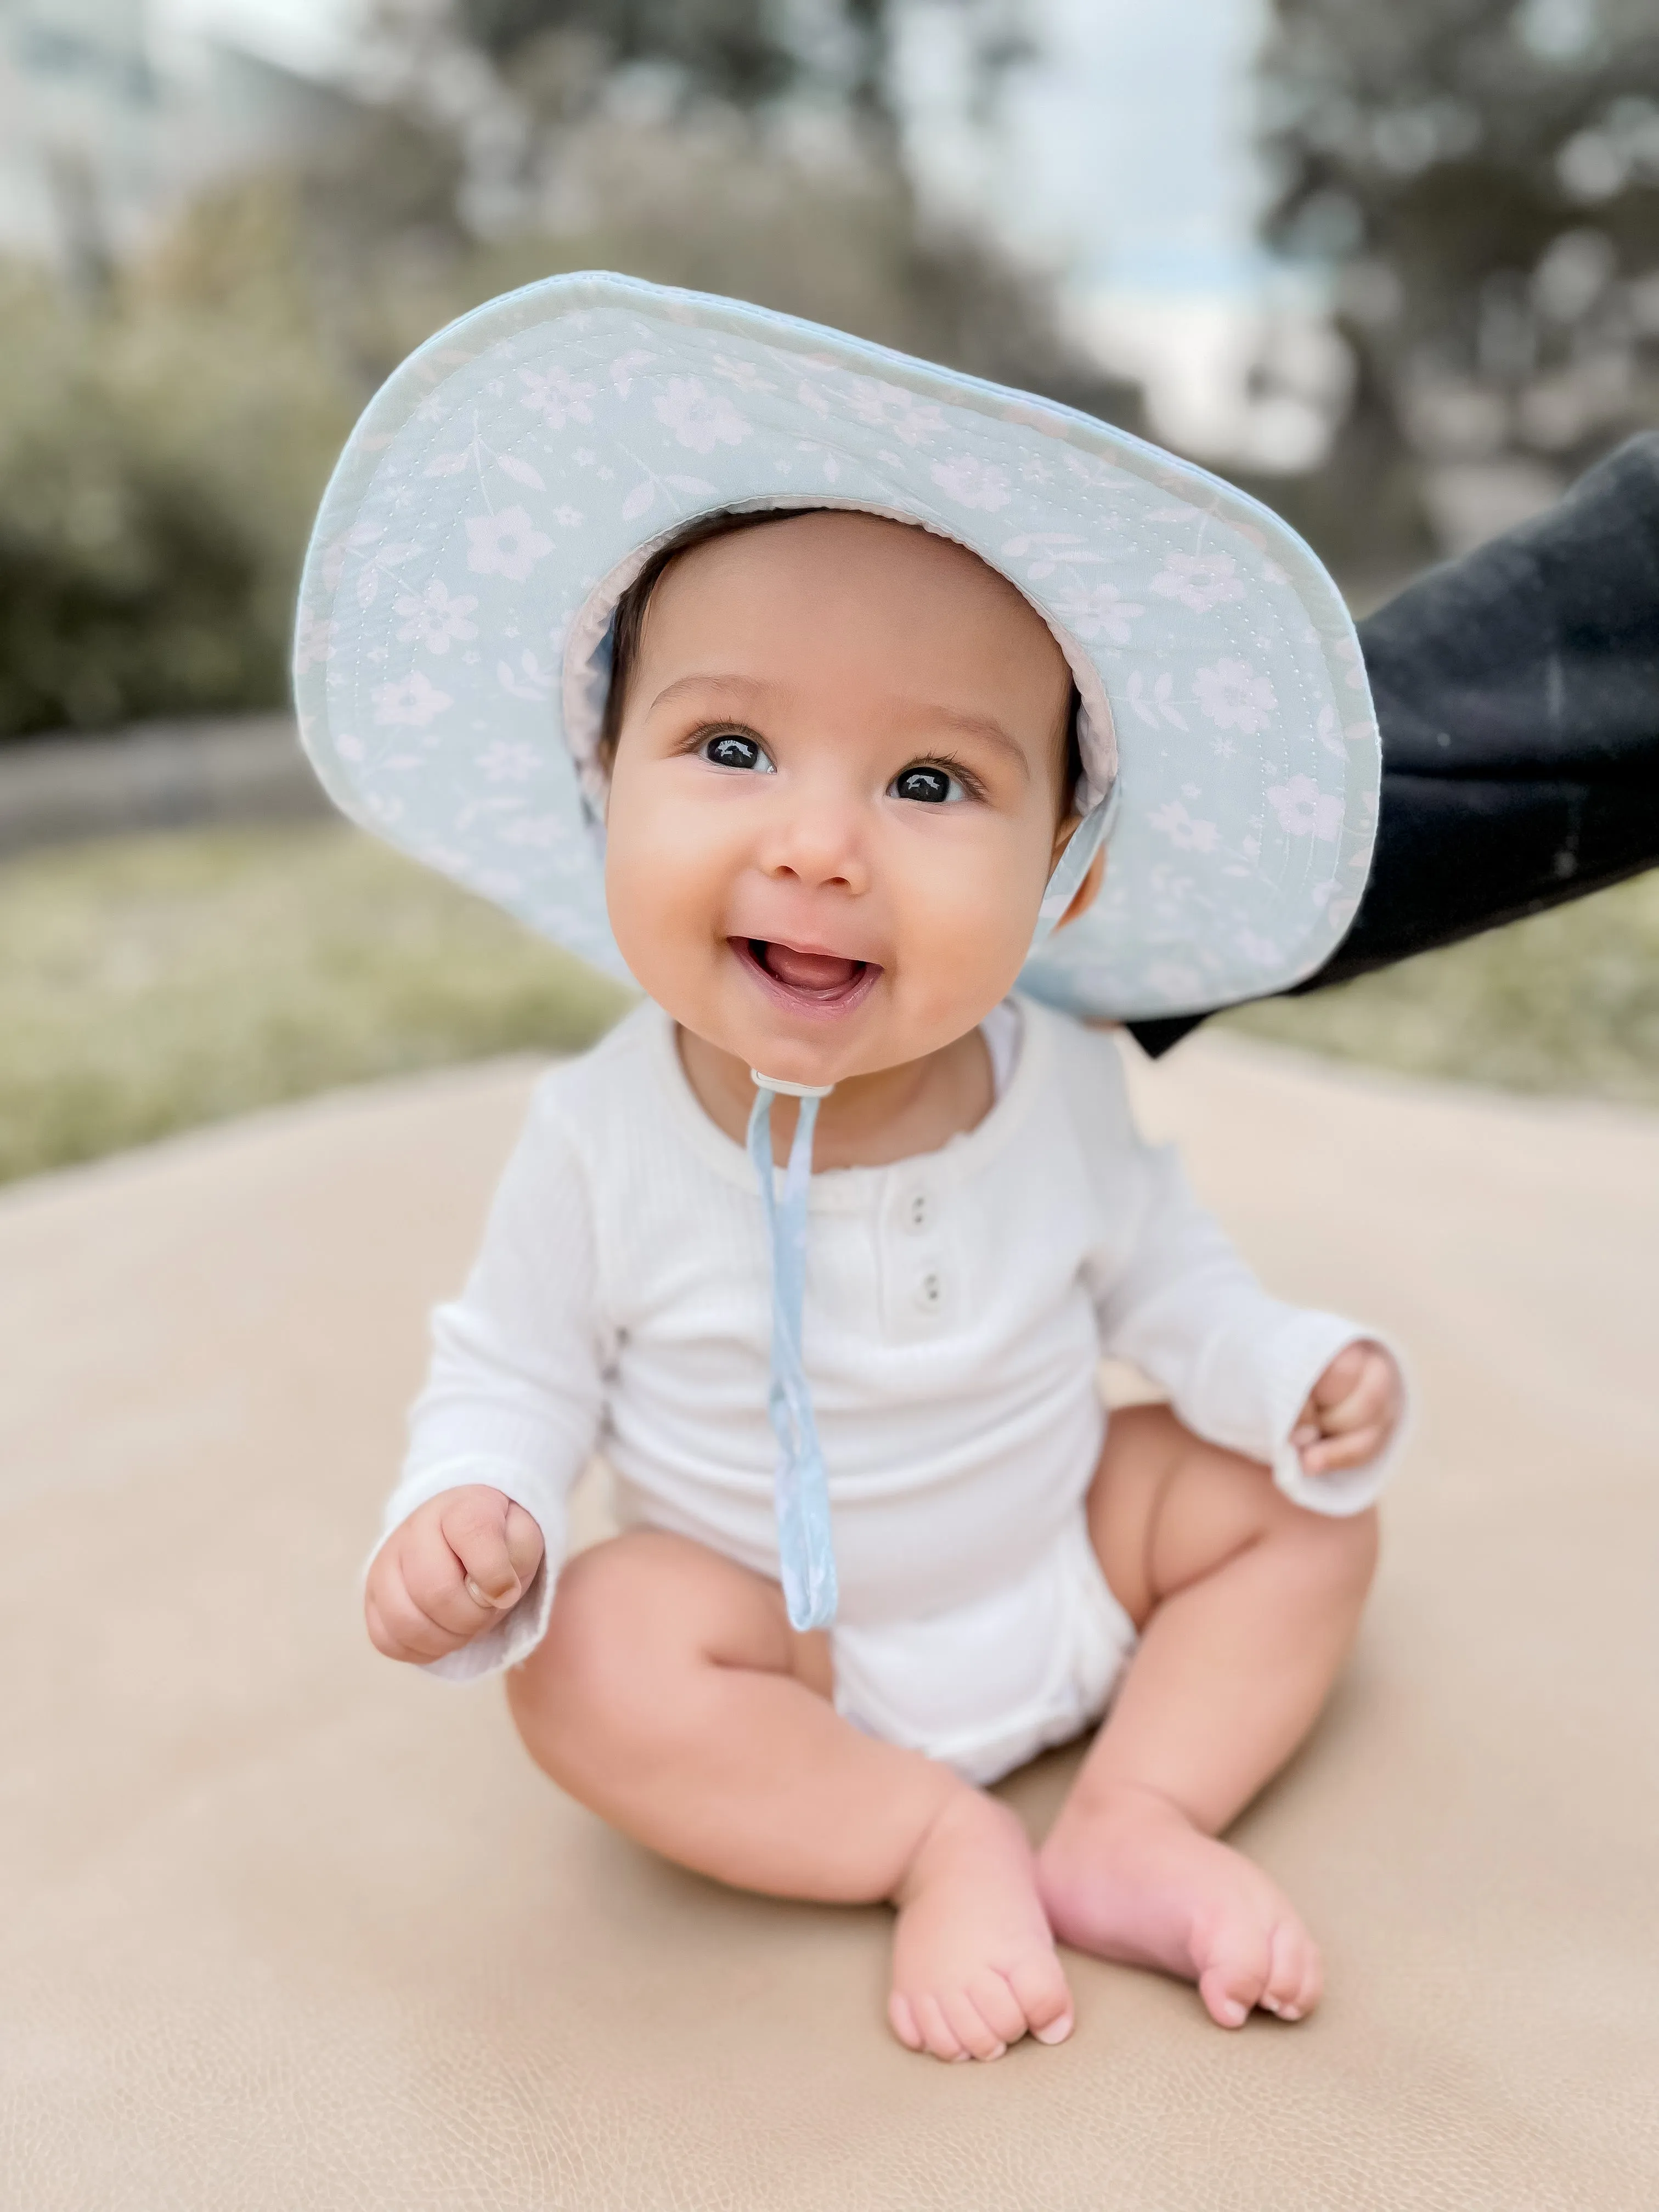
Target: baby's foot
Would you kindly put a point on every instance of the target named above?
(974, 1964)
(1126, 1876)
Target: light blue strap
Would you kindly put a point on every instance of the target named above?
(1074, 865)
(806, 1557)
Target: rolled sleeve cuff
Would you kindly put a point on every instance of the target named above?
(1256, 1381)
(517, 1633)
(1305, 1350)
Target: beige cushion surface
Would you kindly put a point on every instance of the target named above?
(288, 1927)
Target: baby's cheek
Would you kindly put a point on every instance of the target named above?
(658, 899)
(966, 930)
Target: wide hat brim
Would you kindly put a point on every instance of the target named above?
(507, 480)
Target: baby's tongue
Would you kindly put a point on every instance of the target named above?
(810, 971)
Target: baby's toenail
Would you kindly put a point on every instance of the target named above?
(1057, 2030)
(997, 2051)
(1233, 2013)
(1290, 2012)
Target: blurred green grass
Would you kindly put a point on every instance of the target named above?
(152, 983)
(1564, 1002)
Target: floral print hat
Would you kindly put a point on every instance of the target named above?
(510, 481)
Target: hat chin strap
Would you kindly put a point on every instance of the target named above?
(806, 1556)
(789, 1089)
(1082, 849)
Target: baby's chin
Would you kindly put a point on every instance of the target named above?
(876, 1045)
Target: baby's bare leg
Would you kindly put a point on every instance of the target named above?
(1247, 1605)
(672, 1696)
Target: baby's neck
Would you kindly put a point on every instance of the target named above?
(868, 1121)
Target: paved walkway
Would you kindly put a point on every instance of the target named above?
(287, 1926)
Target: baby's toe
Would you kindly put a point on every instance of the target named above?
(1313, 1980)
(994, 2000)
(938, 2036)
(1288, 1968)
(902, 2021)
(1233, 1980)
(970, 2028)
(1039, 1983)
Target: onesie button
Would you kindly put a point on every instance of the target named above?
(930, 1292)
(917, 1211)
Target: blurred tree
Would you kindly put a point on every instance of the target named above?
(160, 457)
(728, 49)
(163, 446)
(1482, 178)
(731, 145)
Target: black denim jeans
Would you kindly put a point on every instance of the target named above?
(1518, 694)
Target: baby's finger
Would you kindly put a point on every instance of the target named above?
(434, 1579)
(1358, 1448)
(1337, 1381)
(474, 1527)
(410, 1633)
(379, 1634)
(1367, 1403)
(524, 1543)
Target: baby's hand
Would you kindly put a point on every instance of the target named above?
(446, 1573)
(1351, 1410)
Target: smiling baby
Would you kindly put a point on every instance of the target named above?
(881, 1542)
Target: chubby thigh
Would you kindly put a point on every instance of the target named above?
(653, 1632)
(672, 1696)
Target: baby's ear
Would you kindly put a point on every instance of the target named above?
(1087, 891)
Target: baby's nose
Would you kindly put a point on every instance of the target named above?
(820, 846)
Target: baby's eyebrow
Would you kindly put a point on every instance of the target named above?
(917, 715)
(746, 687)
(979, 726)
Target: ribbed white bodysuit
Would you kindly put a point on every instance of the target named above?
(957, 1305)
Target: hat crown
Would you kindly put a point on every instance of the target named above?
(450, 671)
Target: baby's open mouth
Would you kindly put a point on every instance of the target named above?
(830, 980)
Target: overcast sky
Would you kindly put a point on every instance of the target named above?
(1125, 152)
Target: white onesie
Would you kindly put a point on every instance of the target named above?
(957, 1304)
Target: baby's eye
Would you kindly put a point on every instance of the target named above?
(931, 785)
(728, 750)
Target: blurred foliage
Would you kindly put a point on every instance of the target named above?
(733, 50)
(158, 462)
(148, 984)
(164, 443)
(1482, 178)
(714, 200)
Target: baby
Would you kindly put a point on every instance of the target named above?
(840, 758)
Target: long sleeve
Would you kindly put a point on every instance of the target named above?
(1238, 1364)
(513, 1395)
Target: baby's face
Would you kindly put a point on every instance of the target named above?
(835, 799)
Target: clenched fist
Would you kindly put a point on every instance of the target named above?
(457, 1564)
(1351, 1410)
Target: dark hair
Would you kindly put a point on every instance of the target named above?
(628, 625)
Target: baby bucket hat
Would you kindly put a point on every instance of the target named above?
(512, 478)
